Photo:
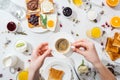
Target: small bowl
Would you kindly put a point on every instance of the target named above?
(21, 46)
(92, 15)
(12, 26)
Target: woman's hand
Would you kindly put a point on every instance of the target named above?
(89, 53)
(38, 56)
(37, 59)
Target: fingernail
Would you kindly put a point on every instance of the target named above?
(82, 48)
(73, 47)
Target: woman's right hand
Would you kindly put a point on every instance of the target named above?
(89, 51)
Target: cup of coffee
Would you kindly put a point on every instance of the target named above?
(62, 45)
(10, 61)
(67, 12)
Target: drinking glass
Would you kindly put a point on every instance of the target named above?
(12, 8)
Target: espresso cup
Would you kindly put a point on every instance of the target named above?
(10, 61)
(62, 45)
(67, 12)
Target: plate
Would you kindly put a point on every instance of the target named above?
(41, 30)
(60, 66)
(57, 36)
(111, 35)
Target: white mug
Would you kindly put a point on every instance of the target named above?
(10, 61)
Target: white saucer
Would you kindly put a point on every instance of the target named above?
(58, 63)
(59, 66)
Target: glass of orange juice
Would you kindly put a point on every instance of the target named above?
(94, 32)
(22, 75)
(77, 2)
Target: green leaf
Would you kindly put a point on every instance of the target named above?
(82, 64)
(44, 20)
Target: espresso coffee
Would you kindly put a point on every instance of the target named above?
(62, 45)
(67, 11)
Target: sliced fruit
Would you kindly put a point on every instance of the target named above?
(20, 44)
(112, 3)
(115, 22)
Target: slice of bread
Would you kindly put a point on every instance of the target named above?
(116, 41)
(55, 74)
(33, 6)
(114, 56)
(30, 25)
(47, 6)
(109, 47)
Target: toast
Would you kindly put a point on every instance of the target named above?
(114, 56)
(109, 47)
(47, 6)
(32, 6)
(33, 20)
(116, 41)
(55, 74)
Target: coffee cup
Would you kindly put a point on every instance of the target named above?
(62, 45)
(10, 61)
(67, 12)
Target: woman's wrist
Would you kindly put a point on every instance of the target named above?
(33, 74)
(98, 65)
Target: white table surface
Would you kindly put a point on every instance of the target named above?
(34, 39)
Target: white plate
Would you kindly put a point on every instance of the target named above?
(60, 66)
(57, 36)
(111, 34)
(38, 30)
(41, 30)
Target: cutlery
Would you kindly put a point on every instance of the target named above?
(73, 65)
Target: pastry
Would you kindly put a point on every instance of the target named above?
(116, 41)
(114, 56)
(55, 74)
(110, 47)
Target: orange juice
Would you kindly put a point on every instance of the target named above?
(22, 75)
(112, 3)
(78, 2)
(115, 22)
(95, 32)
